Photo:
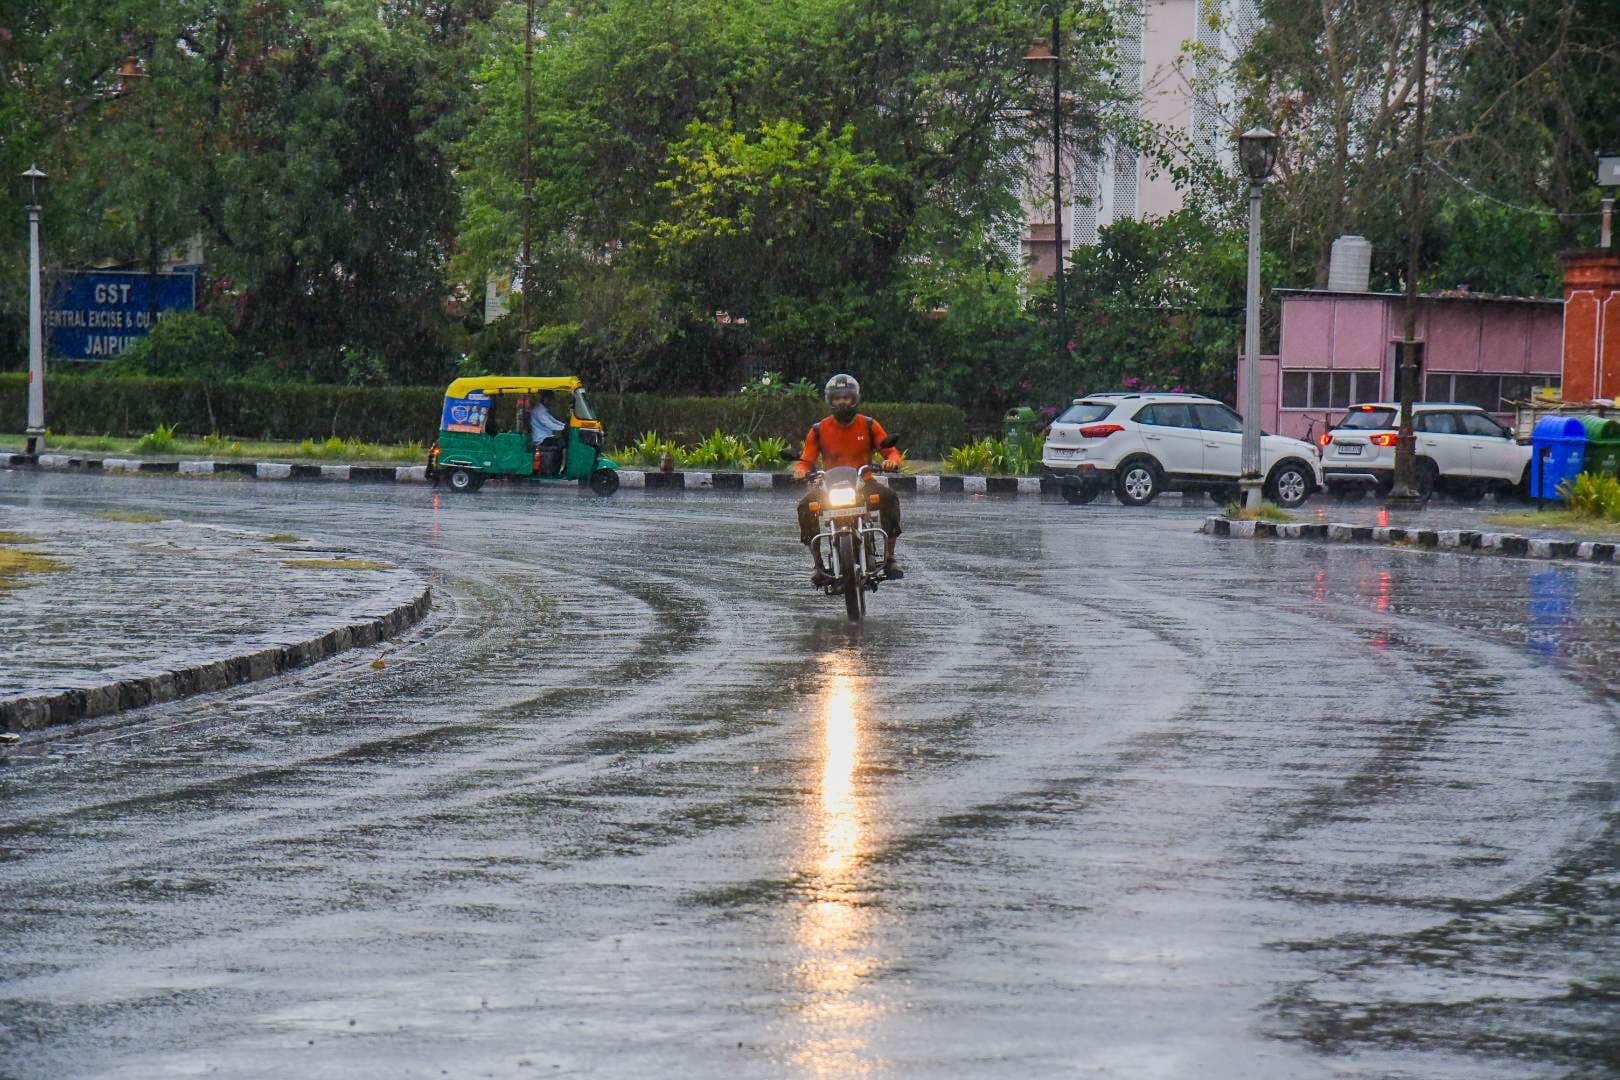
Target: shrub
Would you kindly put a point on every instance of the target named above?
(771, 384)
(160, 440)
(719, 451)
(992, 455)
(1593, 495)
(183, 343)
(127, 407)
(769, 452)
(975, 458)
(646, 450)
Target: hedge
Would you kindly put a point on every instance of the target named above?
(128, 407)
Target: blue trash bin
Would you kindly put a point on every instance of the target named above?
(1557, 455)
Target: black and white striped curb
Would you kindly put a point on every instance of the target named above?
(1456, 539)
(682, 480)
(256, 470)
(138, 688)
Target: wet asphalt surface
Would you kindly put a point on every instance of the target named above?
(1088, 795)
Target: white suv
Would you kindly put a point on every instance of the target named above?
(1142, 444)
(1460, 449)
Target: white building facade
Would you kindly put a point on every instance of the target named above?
(1175, 61)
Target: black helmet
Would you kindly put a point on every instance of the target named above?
(842, 384)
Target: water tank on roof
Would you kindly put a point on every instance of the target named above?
(1351, 264)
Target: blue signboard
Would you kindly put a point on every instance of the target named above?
(97, 314)
(468, 414)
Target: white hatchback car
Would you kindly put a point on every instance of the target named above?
(1142, 444)
(1461, 449)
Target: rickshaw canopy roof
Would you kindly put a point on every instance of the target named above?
(511, 384)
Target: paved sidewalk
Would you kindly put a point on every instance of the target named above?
(137, 597)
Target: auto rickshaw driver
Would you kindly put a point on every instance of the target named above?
(547, 433)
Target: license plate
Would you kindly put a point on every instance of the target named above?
(1062, 451)
(1348, 449)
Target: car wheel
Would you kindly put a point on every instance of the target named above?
(1290, 485)
(1136, 482)
(1425, 477)
(463, 480)
(1079, 493)
(605, 481)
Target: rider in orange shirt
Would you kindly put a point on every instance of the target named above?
(849, 439)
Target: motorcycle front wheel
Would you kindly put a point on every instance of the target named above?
(854, 602)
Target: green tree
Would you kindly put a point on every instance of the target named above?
(299, 139)
(1159, 305)
(785, 176)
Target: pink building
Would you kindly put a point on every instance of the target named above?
(1338, 348)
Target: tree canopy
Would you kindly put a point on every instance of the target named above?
(726, 186)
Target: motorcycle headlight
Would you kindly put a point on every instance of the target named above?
(841, 496)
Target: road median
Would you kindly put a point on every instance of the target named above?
(1467, 540)
(137, 610)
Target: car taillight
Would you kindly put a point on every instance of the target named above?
(1386, 439)
(1099, 431)
(537, 461)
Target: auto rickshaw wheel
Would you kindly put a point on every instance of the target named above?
(605, 481)
(463, 480)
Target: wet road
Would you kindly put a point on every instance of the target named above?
(1088, 795)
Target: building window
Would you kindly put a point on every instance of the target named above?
(1328, 389)
(1494, 393)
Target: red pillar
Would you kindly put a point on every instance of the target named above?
(1591, 324)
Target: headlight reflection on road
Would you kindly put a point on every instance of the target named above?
(840, 750)
(834, 925)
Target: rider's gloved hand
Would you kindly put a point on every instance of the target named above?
(890, 465)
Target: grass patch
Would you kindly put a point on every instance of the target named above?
(129, 515)
(1568, 520)
(9, 537)
(1266, 511)
(282, 538)
(165, 442)
(15, 564)
(336, 564)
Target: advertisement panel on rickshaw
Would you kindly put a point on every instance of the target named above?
(466, 414)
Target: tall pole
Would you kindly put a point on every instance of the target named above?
(1250, 479)
(35, 438)
(525, 360)
(1405, 489)
(1057, 184)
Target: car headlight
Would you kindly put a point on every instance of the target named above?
(842, 495)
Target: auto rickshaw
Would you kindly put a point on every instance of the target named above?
(466, 454)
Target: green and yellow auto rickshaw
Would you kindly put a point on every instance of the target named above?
(467, 452)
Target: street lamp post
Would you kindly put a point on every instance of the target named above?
(1054, 56)
(1257, 153)
(525, 359)
(1405, 491)
(32, 187)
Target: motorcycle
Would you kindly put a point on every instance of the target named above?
(851, 544)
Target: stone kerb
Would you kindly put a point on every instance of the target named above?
(1451, 539)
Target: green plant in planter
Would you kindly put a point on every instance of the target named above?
(158, 441)
(768, 453)
(976, 458)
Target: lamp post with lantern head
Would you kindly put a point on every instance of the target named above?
(1040, 53)
(31, 186)
(1257, 153)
